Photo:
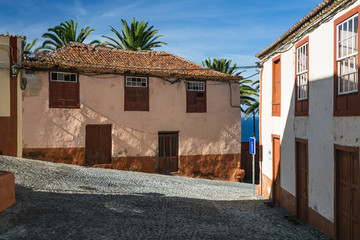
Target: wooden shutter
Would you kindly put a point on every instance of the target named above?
(64, 94)
(142, 99)
(136, 98)
(196, 101)
(276, 87)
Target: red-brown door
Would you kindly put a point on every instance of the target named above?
(98, 144)
(347, 194)
(301, 159)
(276, 170)
(168, 152)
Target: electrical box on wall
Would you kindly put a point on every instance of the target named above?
(1, 65)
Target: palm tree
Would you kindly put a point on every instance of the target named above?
(247, 93)
(222, 65)
(136, 37)
(65, 33)
(29, 46)
(253, 106)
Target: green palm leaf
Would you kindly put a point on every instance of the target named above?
(65, 33)
(138, 36)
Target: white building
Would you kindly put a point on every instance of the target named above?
(310, 119)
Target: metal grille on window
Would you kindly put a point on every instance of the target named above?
(347, 55)
(195, 86)
(302, 72)
(136, 82)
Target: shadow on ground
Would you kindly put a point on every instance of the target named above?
(49, 215)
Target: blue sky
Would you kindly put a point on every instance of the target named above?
(193, 29)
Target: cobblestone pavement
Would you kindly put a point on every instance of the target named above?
(59, 201)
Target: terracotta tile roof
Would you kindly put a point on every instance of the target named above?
(98, 59)
(318, 10)
(10, 35)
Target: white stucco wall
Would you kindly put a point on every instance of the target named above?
(134, 133)
(321, 129)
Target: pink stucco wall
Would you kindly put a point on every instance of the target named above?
(218, 131)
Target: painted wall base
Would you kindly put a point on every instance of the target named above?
(288, 202)
(214, 166)
(137, 164)
(7, 190)
(321, 223)
(59, 155)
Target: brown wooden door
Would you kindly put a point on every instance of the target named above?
(301, 158)
(347, 195)
(276, 170)
(98, 144)
(168, 152)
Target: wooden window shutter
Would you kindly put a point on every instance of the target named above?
(276, 87)
(64, 94)
(136, 98)
(195, 101)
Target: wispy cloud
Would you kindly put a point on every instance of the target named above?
(193, 29)
(79, 8)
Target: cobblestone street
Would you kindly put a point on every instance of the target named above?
(59, 201)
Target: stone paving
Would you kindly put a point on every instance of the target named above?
(59, 201)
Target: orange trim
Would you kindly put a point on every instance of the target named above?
(276, 114)
(304, 101)
(345, 111)
(272, 164)
(8, 125)
(321, 223)
(260, 128)
(261, 81)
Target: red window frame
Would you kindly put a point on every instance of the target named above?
(301, 105)
(345, 104)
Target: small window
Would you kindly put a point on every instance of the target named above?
(136, 82)
(63, 90)
(195, 86)
(195, 97)
(63, 77)
(136, 94)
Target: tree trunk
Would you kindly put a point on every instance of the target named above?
(254, 128)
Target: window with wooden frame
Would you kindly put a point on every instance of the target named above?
(195, 97)
(302, 78)
(346, 73)
(63, 90)
(276, 86)
(136, 93)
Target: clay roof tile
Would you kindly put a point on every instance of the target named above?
(99, 59)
